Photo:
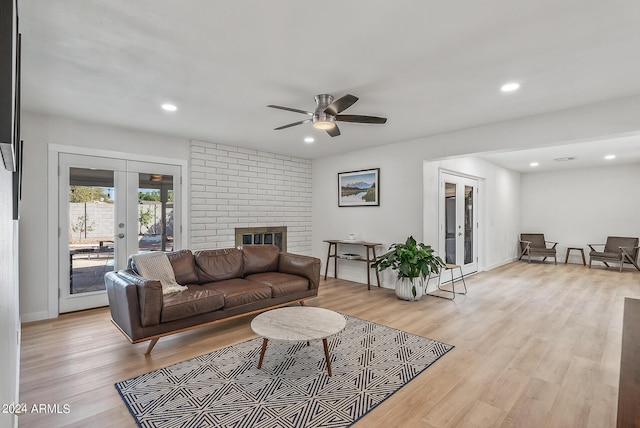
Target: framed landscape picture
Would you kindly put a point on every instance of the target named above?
(359, 188)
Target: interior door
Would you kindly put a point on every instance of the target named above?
(108, 209)
(458, 221)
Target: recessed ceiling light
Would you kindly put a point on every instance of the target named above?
(609, 157)
(309, 139)
(534, 164)
(169, 107)
(510, 87)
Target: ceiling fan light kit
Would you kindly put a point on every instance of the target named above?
(323, 124)
(327, 112)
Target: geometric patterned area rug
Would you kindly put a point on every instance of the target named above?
(225, 388)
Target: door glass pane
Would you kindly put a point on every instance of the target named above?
(468, 224)
(450, 222)
(91, 220)
(155, 212)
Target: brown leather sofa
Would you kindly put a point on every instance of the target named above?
(222, 284)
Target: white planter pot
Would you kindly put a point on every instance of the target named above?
(404, 289)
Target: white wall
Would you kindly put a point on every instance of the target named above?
(9, 317)
(236, 187)
(399, 214)
(582, 206)
(38, 131)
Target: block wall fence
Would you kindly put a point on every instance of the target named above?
(100, 220)
(235, 187)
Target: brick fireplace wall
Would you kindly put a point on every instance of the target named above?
(235, 187)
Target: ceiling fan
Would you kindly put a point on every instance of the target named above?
(327, 113)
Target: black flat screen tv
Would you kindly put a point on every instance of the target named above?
(9, 83)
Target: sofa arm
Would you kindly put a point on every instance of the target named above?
(306, 266)
(149, 293)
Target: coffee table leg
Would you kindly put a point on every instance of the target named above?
(264, 348)
(326, 355)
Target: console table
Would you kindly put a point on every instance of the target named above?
(370, 249)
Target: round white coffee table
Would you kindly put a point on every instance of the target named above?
(298, 324)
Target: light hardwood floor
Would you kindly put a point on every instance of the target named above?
(536, 345)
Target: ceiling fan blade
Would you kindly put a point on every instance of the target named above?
(334, 132)
(356, 118)
(295, 110)
(341, 104)
(292, 124)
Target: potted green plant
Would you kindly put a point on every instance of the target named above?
(413, 263)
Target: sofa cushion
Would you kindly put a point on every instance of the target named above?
(218, 265)
(281, 283)
(184, 266)
(260, 258)
(238, 291)
(194, 301)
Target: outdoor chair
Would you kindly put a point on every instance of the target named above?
(617, 250)
(534, 244)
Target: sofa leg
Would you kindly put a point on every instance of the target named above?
(151, 345)
(302, 303)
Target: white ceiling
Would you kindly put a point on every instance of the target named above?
(429, 66)
(590, 154)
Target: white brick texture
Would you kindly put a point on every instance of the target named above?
(235, 187)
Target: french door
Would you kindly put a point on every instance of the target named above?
(108, 209)
(459, 221)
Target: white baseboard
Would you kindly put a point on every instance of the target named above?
(35, 316)
(497, 265)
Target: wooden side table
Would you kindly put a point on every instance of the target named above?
(569, 249)
(371, 251)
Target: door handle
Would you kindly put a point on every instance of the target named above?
(459, 234)
(120, 235)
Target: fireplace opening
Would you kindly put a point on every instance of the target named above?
(274, 235)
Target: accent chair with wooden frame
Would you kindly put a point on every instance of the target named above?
(534, 244)
(618, 249)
